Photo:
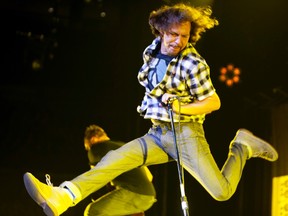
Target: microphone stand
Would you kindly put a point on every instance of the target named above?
(184, 202)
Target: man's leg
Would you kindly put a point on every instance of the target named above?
(113, 164)
(120, 202)
(199, 162)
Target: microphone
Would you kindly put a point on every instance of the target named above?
(171, 99)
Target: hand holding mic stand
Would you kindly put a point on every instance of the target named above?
(184, 202)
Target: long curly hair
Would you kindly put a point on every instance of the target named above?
(200, 18)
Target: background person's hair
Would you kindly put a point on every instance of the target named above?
(94, 130)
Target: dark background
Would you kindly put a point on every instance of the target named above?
(73, 66)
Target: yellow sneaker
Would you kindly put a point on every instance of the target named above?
(256, 146)
(53, 200)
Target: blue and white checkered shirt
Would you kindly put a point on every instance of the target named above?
(187, 76)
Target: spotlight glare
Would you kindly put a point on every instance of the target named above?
(237, 71)
(229, 82)
(236, 79)
(222, 78)
(223, 70)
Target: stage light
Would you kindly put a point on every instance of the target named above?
(36, 65)
(230, 75)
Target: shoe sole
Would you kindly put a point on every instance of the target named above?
(269, 147)
(35, 192)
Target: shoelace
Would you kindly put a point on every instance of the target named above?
(48, 180)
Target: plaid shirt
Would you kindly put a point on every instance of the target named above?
(187, 76)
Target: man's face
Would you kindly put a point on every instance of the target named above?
(175, 39)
